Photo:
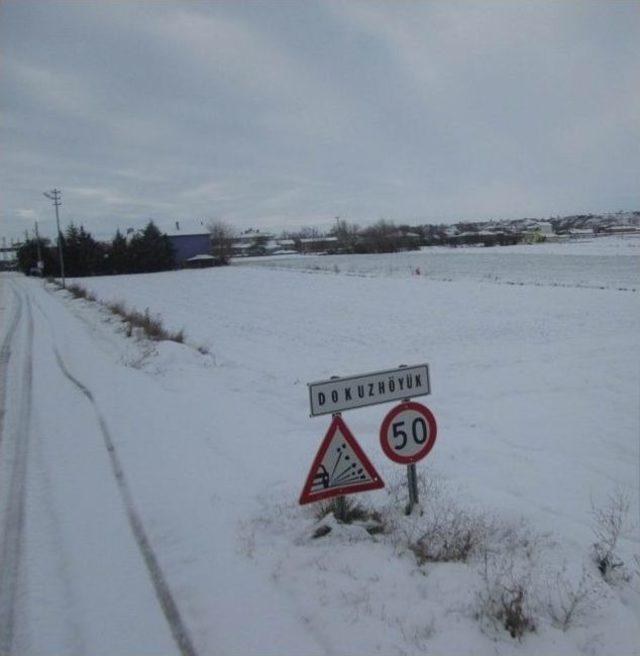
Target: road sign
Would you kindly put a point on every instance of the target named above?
(340, 467)
(408, 433)
(338, 394)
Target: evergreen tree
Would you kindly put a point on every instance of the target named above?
(119, 254)
(83, 255)
(150, 250)
(71, 251)
(91, 254)
(27, 257)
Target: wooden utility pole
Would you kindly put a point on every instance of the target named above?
(55, 195)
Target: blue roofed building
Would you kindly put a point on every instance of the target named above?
(190, 245)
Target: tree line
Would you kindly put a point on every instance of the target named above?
(384, 236)
(145, 251)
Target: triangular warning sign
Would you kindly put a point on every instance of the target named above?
(340, 467)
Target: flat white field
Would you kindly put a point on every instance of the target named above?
(535, 390)
(602, 263)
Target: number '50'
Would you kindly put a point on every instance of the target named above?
(418, 432)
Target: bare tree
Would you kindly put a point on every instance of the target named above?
(347, 234)
(381, 237)
(309, 232)
(222, 237)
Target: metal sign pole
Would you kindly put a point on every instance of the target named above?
(340, 512)
(412, 476)
(412, 482)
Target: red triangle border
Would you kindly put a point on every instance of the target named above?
(308, 497)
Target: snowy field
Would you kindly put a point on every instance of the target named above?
(535, 389)
(602, 263)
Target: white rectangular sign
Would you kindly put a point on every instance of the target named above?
(338, 394)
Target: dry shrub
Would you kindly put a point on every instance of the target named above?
(504, 600)
(78, 291)
(117, 307)
(568, 604)
(151, 326)
(610, 521)
(450, 534)
(442, 530)
(345, 510)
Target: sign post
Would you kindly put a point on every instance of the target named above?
(407, 434)
(412, 482)
(341, 501)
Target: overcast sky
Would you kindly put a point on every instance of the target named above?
(284, 114)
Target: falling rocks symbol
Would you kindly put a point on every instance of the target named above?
(340, 467)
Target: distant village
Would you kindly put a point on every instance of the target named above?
(387, 237)
(202, 243)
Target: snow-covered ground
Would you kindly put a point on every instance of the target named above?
(535, 389)
(600, 263)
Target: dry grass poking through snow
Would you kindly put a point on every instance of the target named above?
(151, 326)
(502, 575)
(80, 292)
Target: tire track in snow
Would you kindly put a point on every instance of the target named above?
(163, 593)
(5, 354)
(13, 528)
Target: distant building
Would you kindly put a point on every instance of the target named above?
(620, 229)
(484, 238)
(318, 244)
(254, 242)
(199, 262)
(187, 246)
(189, 239)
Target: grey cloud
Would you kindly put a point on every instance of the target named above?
(278, 113)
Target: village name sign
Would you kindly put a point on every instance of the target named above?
(339, 394)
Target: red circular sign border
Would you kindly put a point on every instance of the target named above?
(433, 430)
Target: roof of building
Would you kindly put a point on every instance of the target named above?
(184, 227)
(317, 240)
(197, 258)
(178, 235)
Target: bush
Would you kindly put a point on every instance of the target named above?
(80, 292)
(443, 531)
(347, 511)
(152, 326)
(609, 523)
(344, 509)
(504, 600)
(568, 604)
(450, 534)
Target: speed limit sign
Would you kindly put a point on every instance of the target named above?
(408, 433)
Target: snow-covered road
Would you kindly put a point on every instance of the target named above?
(77, 573)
